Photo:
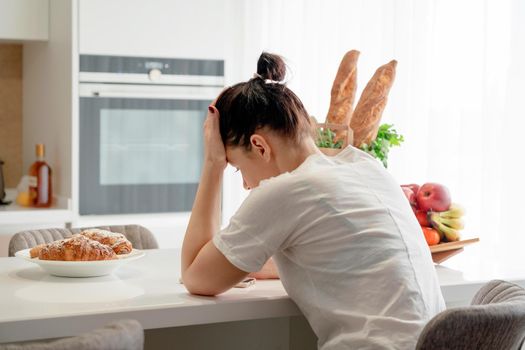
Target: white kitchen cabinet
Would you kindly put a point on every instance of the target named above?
(22, 20)
(157, 28)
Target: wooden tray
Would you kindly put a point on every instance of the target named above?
(444, 251)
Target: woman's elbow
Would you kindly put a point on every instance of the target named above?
(202, 291)
(199, 288)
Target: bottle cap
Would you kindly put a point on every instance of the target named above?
(39, 150)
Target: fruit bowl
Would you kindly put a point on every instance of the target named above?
(440, 219)
(444, 251)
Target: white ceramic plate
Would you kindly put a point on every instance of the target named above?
(81, 268)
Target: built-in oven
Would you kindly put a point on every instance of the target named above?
(140, 132)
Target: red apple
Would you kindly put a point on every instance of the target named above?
(422, 218)
(410, 196)
(413, 187)
(433, 196)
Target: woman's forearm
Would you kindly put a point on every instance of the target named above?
(206, 214)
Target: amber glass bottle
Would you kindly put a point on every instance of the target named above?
(40, 189)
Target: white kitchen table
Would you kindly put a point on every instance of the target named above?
(35, 305)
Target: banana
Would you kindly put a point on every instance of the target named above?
(451, 234)
(454, 212)
(446, 226)
(456, 224)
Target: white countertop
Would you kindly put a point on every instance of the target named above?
(147, 289)
(14, 214)
(35, 305)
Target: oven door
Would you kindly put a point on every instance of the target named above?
(141, 147)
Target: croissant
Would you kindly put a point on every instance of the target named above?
(76, 248)
(117, 241)
(35, 251)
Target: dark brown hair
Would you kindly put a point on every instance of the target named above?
(263, 101)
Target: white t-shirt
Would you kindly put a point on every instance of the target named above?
(348, 248)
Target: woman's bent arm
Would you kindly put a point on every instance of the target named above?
(205, 215)
(204, 269)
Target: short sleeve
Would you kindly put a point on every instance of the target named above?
(260, 227)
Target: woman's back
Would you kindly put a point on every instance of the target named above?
(349, 250)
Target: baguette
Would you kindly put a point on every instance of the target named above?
(343, 90)
(367, 115)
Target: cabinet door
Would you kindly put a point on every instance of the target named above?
(155, 28)
(24, 19)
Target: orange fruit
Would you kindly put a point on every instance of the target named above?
(431, 235)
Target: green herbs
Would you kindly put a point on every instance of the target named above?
(326, 139)
(387, 137)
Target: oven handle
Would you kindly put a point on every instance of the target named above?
(149, 91)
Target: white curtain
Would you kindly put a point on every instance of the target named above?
(457, 98)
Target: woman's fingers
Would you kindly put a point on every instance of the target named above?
(214, 147)
(213, 122)
(214, 113)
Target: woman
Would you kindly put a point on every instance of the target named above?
(348, 248)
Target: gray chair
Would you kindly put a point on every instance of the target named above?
(120, 335)
(495, 320)
(139, 236)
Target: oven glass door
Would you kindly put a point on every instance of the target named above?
(139, 155)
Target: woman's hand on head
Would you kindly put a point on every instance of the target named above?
(214, 152)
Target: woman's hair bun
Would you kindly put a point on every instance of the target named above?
(271, 66)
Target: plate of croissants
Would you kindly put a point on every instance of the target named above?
(90, 253)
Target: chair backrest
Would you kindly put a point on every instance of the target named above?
(498, 291)
(495, 320)
(139, 236)
(120, 335)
